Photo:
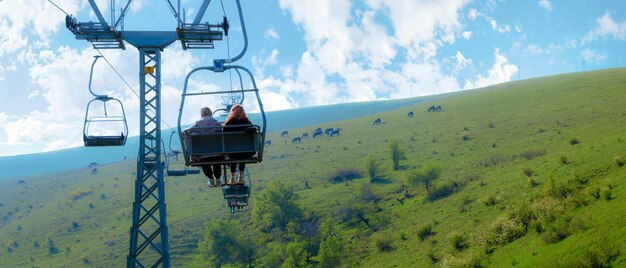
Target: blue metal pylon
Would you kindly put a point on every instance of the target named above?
(149, 227)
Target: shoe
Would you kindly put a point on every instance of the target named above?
(240, 182)
(210, 184)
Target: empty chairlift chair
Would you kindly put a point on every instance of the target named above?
(237, 196)
(102, 128)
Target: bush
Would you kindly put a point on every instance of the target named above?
(425, 232)
(574, 141)
(459, 242)
(506, 230)
(466, 138)
(382, 242)
(619, 161)
(371, 167)
(528, 172)
(560, 190)
(595, 193)
(342, 175)
(607, 195)
(444, 191)
(395, 153)
(491, 201)
(563, 159)
(532, 182)
(433, 258)
(530, 154)
(424, 176)
(80, 193)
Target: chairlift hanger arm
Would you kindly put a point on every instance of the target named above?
(123, 15)
(201, 11)
(96, 11)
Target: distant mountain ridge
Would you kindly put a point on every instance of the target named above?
(81, 157)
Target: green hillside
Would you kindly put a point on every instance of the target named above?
(530, 174)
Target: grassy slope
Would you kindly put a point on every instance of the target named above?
(539, 114)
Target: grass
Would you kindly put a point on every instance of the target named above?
(573, 217)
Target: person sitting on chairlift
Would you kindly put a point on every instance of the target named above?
(208, 124)
(237, 116)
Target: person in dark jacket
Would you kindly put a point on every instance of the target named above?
(237, 116)
(208, 124)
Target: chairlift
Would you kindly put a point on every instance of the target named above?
(198, 143)
(96, 129)
(174, 164)
(237, 196)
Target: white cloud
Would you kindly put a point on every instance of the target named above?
(29, 21)
(546, 4)
(500, 72)
(271, 34)
(461, 62)
(467, 35)
(606, 27)
(498, 28)
(287, 71)
(473, 14)
(592, 56)
(347, 51)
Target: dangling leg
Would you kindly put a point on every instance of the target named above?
(233, 168)
(217, 172)
(242, 168)
(209, 173)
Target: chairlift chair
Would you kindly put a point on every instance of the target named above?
(96, 137)
(199, 143)
(174, 166)
(237, 196)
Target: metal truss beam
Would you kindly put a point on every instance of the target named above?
(149, 233)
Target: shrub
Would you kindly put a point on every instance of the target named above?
(595, 193)
(491, 201)
(607, 195)
(563, 159)
(382, 242)
(492, 125)
(574, 141)
(424, 176)
(371, 167)
(433, 258)
(80, 193)
(532, 182)
(342, 175)
(445, 191)
(528, 172)
(52, 248)
(560, 190)
(425, 232)
(619, 161)
(395, 153)
(459, 242)
(505, 230)
(466, 138)
(530, 154)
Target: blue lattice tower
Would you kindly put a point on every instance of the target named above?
(149, 245)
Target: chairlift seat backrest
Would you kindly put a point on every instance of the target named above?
(104, 140)
(218, 144)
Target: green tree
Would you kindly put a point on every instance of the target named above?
(331, 248)
(296, 255)
(396, 153)
(275, 207)
(423, 176)
(371, 167)
(219, 244)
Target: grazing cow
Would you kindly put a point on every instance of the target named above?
(284, 133)
(410, 114)
(377, 122)
(318, 133)
(94, 171)
(434, 108)
(305, 135)
(336, 132)
(268, 142)
(296, 140)
(328, 131)
(21, 182)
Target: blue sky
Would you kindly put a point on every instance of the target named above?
(302, 52)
